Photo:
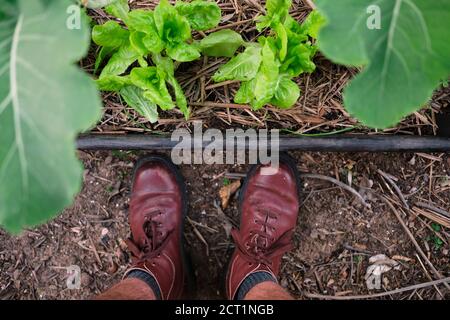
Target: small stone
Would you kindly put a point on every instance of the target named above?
(122, 244)
(108, 160)
(16, 274)
(86, 279)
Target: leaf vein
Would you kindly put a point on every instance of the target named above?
(5, 103)
(423, 24)
(390, 41)
(16, 102)
(7, 160)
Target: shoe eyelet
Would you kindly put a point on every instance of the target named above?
(250, 264)
(256, 221)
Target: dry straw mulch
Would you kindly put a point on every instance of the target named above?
(319, 109)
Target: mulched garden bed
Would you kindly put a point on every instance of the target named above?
(319, 109)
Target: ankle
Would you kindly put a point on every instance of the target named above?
(147, 278)
(251, 281)
(268, 291)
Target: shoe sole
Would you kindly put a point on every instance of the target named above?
(186, 261)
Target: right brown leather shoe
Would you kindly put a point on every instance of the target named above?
(268, 207)
(156, 215)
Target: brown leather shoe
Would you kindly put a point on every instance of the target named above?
(157, 209)
(269, 208)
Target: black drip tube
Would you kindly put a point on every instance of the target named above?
(340, 143)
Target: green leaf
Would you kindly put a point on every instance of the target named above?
(277, 11)
(287, 93)
(166, 67)
(133, 96)
(243, 67)
(154, 85)
(223, 43)
(282, 38)
(179, 96)
(153, 43)
(267, 78)
(404, 60)
(137, 42)
(299, 59)
(141, 20)
(119, 9)
(144, 36)
(202, 15)
(436, 227)
(183, 52)
(295, 29)
(146, 43)
(120, 61)
(102, 55)
(313, 23)
(172, 27)
(96, 4)
(112, 83)
(45, 101)
(245, 94)
(110, 34)
(164, 64)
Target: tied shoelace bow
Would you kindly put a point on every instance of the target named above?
(262, 248)
(153, 243)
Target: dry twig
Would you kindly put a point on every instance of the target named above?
(445, 281)
(337, 182)
(413, 240)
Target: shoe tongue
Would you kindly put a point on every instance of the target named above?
(150, 233)
(148, 230)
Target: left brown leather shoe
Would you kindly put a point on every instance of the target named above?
(157, 209)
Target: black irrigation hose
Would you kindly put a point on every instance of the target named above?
(339, 143)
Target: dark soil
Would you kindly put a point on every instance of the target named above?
(334, 239)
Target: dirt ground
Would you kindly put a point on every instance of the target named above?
(335, 236)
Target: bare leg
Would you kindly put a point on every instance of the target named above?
(128, 289)
(268, 291)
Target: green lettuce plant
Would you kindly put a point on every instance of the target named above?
(157, 41)
(267, 68)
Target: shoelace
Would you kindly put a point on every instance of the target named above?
(153, 244)
(261, 248)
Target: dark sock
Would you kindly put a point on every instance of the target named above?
(148, 279)
(251, 281)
